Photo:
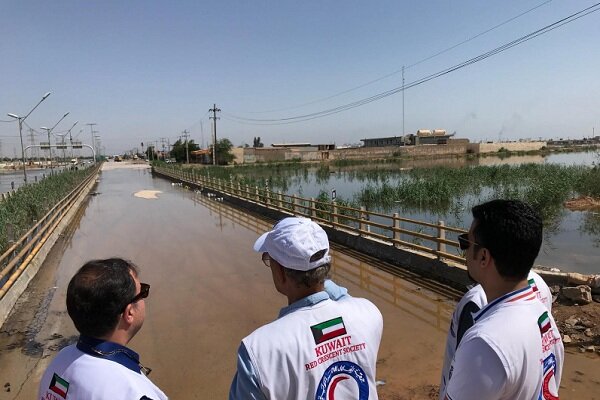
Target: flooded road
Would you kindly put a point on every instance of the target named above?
(210, 289)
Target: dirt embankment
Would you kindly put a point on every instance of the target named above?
(579, 324)
(583, 203)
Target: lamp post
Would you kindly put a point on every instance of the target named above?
(21, 119)
(63, 138)
(97, 145)
(48, 131)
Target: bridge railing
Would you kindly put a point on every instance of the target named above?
(16, 258)
(436, 240)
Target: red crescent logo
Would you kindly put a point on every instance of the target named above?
(330, 394)
(546, 387)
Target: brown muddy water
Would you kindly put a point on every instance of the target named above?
(209, 290)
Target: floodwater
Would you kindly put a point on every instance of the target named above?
(13, 179)
(574, 245)
(209, 290)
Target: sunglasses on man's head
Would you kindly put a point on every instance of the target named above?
(464, 243)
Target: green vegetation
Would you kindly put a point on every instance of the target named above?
(31, 202)
(179, 147)
(444, 189)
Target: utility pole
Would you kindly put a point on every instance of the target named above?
(92, 143)
(187, 153)
(163, 141)
(32, 141)
(214, 118)
(403, 131)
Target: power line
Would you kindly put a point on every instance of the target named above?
(379, 96)
(409, 66)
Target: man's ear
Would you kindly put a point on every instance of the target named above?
(485, 257)
(127, 315)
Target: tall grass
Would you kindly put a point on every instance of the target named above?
(32, 201)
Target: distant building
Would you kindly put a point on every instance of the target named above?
(322, 147)
(387, 141)
(423, 136)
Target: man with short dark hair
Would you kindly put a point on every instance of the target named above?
(324, 343)
(105, 300)
(513, 350)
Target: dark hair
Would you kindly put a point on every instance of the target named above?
(512, 232)
(98, 293)
(308, 278)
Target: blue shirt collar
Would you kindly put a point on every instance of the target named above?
(110, 351)
(307, 301)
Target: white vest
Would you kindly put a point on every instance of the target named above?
(75, 375)
(524, 336)
(475, 300)
(316, 352)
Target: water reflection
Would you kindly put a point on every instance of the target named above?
(416, 296)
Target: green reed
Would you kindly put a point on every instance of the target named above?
(32, 201)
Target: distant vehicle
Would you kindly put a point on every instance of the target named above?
(74, 161)
(118, 159)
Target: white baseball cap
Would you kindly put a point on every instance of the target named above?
(296, 243)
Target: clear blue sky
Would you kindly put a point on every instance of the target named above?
(143, 70)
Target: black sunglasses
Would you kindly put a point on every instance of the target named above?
(464, 243)
(144, 292)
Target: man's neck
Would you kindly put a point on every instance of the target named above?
(301, 292)
(499, 288)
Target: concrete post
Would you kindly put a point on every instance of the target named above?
(363, 226)
(335, 211)
(396, 226)
(441, 235)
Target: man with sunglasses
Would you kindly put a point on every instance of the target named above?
(513, 349)
(471, 303)
(105, 300)
(324, 344)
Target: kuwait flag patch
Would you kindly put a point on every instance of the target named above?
(328, 330)
(544, 322)
(533, 285)
(59, 386)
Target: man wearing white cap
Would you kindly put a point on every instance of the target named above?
(324, 344)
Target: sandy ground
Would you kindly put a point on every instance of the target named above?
(209, 290)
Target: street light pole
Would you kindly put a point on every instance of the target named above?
(49, 130)
(92, 143)
(63, 139)
(21, 119)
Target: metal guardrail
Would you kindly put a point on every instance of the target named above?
(400, 232)
(16, 258)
